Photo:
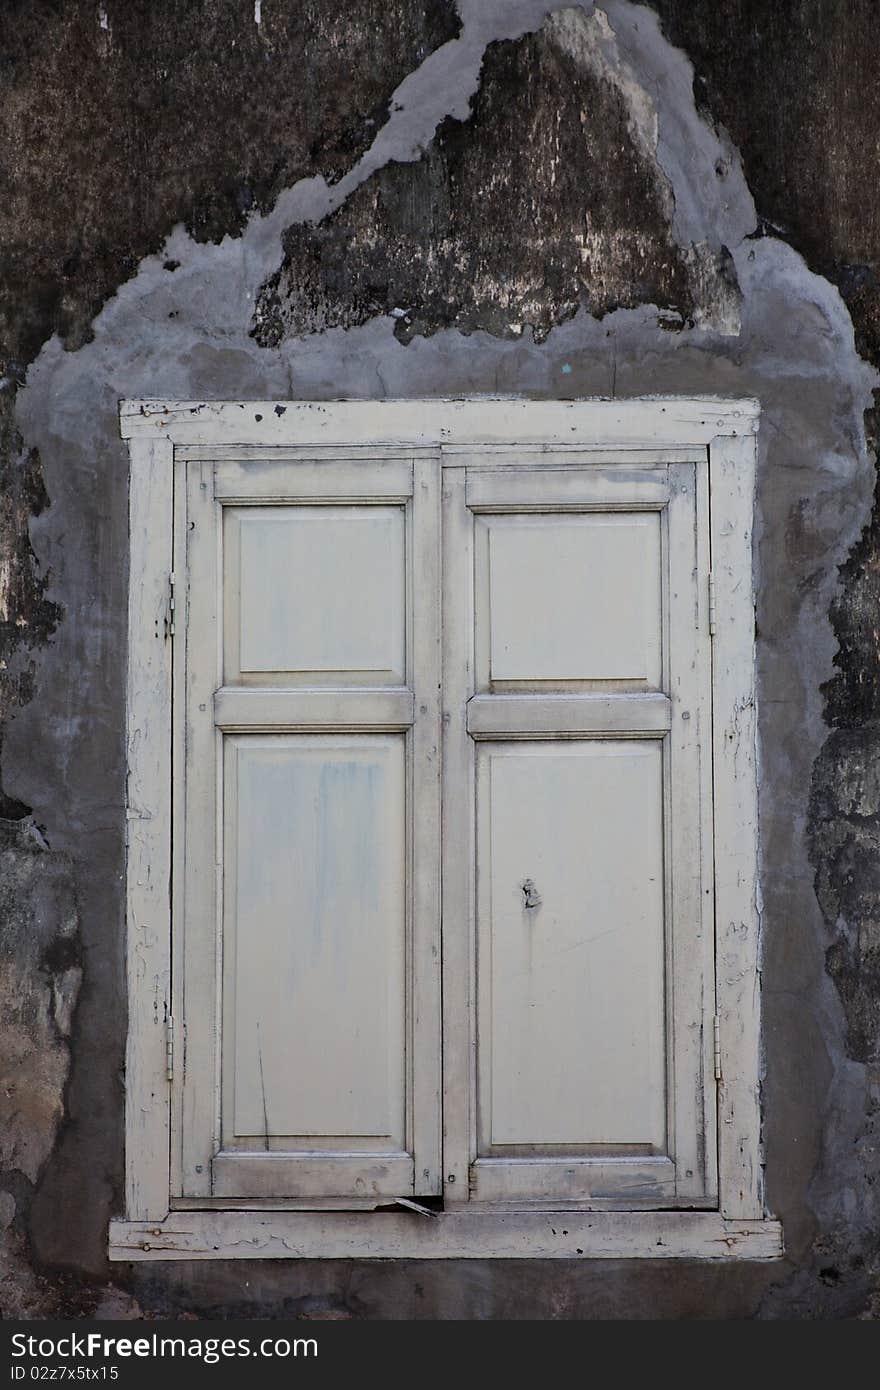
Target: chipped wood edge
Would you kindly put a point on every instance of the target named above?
(456, 1235)
(148, 829)
(647, 420)
(425, 866)
(737, 943)
(458, 818)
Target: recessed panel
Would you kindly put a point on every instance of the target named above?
(316, 592)
(572, 599)
(315, 911)
(571, 944)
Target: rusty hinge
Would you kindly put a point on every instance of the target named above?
(169, 616)
(169, 1048)
(711, 604)
(716, 1032)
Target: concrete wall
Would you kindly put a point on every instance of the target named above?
(411, 199)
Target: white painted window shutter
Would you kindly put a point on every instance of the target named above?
(309, 828)
(578, 789)
(502, 647)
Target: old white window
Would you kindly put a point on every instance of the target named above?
(442, 854)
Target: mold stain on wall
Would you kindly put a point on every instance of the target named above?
(537, 205)
(576, 229)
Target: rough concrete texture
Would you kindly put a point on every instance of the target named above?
(39, 978)
(151, 114)
(648, 278)
(546, 199)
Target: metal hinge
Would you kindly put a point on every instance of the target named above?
(169, 1048)
(169, 617)
(711, 604)
(716, 1030)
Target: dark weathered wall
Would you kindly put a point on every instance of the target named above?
(416, 199)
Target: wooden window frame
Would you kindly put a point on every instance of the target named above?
(495, 430)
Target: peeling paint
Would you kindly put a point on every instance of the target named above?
(459, 239)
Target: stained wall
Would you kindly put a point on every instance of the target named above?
(409, 199)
